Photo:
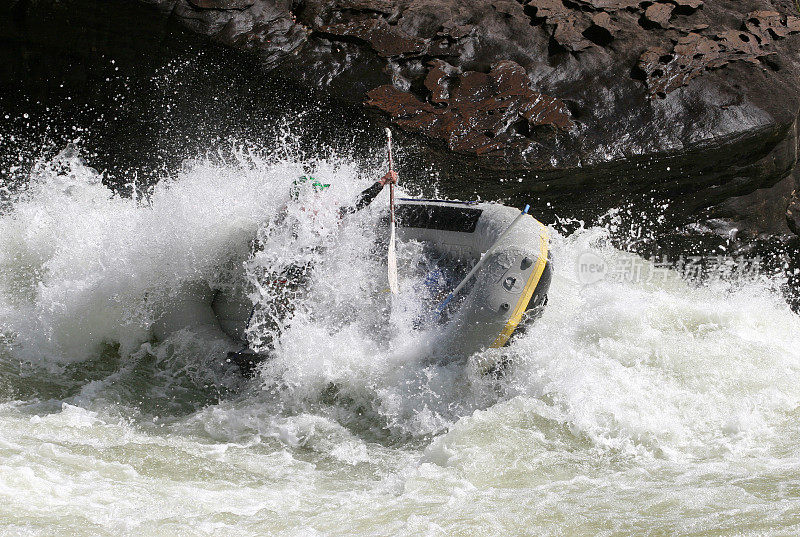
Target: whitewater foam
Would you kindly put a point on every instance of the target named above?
(639, 406)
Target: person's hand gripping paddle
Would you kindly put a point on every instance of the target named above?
(392, 254)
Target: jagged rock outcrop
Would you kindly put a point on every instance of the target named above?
(693, 53)
(472, 111)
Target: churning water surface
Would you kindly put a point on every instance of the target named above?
(631, 407)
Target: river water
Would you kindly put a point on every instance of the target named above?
(633, 406)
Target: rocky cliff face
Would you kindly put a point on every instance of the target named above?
(587, 102)
(693, 99)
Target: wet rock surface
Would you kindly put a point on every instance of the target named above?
(692, 54)
(475, 112)
(695, 100)
(587, 102)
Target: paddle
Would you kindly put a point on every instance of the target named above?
(392, 257)
(480, 262)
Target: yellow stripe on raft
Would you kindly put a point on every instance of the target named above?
(527, 292)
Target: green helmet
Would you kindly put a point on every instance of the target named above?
(316, 184)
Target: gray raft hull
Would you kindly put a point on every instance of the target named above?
(508, 291)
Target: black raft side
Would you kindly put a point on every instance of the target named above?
(441, 217)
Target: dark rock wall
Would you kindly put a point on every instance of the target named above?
(695, 98)
(587, 101)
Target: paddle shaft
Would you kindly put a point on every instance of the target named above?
(392, 254)
(391, 169)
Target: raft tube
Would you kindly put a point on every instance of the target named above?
(508, 291)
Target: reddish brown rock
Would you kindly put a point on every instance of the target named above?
(688, 27)
(604, 20)
(693, 4)
(222, 4)
(768, 25)
(436, 81)
(659, 14)
(667, 71)
(455, 30)
(384, 39)
(478, 112)
(507, 7)
(612, 5)
(567, 25)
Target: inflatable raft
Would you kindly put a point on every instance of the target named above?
(508, 291)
